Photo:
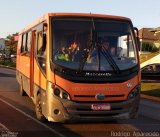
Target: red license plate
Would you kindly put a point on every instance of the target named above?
(101, 107)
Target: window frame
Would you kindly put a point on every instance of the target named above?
(26, 41)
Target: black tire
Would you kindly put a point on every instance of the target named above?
(21, 90)
(38, 109)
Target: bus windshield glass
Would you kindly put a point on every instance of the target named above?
(93, 44)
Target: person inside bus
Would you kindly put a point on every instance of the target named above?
(106, 47)
(74, 53)
(62, 55)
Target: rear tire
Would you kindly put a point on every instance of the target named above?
(38, 109)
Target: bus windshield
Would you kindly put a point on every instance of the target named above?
(93, 44)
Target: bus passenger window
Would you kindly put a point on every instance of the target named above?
(41, 51)
(28, 42)
(41, 47)
(23, 43)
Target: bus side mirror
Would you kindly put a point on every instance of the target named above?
(137, 37)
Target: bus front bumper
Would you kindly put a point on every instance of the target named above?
(81, 111)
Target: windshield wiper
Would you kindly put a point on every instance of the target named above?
(110, 60)
(91, 45)
(85, 56)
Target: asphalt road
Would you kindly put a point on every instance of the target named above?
(17, 118)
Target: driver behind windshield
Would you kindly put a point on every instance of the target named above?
(104, 47)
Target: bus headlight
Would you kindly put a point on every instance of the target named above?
(65, 95)
(57, 92)
(61, 94)
(134, 92)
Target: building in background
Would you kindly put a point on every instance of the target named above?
(149, 40)
(2, 48)
(156, 30)
(2, 44)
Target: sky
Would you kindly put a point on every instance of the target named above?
(17, 14)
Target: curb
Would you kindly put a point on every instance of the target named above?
(152, 98)
(2, 66)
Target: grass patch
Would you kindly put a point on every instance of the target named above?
(151, 89)
(145, 57)
(8, 63)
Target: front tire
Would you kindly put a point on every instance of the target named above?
(38, 109)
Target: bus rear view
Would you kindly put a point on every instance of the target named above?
(92, 68)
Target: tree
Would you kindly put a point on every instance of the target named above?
(150, 47)
(11, 44)
(2, 51)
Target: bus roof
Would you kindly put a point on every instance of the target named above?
(88, 15)
(44, 17)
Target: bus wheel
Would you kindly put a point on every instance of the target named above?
(38, 109)
(21, 90)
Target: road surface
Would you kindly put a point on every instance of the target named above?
(17, 118)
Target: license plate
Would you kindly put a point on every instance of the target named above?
(101, 107)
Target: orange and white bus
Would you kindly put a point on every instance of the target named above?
(78, 66)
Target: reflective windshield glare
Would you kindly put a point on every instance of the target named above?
(93, 44)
